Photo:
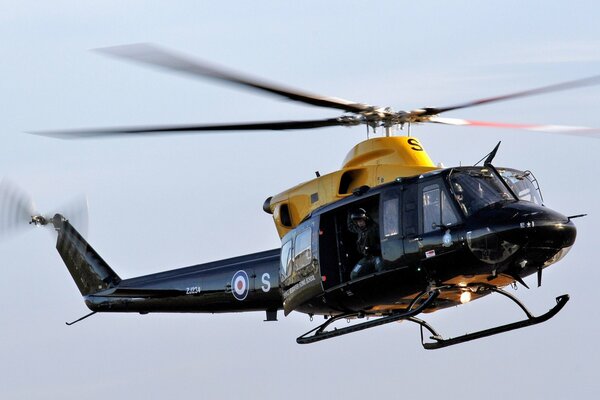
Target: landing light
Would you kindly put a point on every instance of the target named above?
(465, 297)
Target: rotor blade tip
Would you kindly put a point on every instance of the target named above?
(126, 50)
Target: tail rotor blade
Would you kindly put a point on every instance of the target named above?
(76, 212)
(16, 209)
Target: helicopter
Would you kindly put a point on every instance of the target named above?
(388, 237)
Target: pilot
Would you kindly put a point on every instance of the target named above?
(460, 197)
(367, 243)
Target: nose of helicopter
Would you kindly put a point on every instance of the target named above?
(537, 235)
(544, 228)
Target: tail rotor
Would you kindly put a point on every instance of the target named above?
(18, 212)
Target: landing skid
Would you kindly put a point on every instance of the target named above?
(319, 333)
(439, 342)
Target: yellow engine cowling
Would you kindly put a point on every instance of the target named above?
(372, 162)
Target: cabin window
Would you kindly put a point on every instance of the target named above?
(302, 253)
(437, 210)
(391, 211)
(286, 259)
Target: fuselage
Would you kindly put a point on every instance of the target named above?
(431, 235)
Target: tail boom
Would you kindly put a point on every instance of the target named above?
(245, 283)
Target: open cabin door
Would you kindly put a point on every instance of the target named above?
(338, 250)
(299, 269)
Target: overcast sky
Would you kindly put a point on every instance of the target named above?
(158, 203)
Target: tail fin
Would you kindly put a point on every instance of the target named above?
(89, 271)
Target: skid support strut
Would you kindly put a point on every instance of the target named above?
(439, 341)
(319, 333)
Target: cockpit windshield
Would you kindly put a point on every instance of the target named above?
(476, 188)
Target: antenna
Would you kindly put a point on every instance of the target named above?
(490, 156)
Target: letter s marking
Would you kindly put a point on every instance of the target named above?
(266, 283)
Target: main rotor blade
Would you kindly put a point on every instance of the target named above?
(153, 55)
(257, 126)
(594, 80)
(562, 129)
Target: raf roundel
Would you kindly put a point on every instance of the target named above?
(240, 285)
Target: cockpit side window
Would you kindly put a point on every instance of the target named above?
(437, 210)
(449, 216)
(432, 212)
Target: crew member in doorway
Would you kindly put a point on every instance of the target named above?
(367, 243)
